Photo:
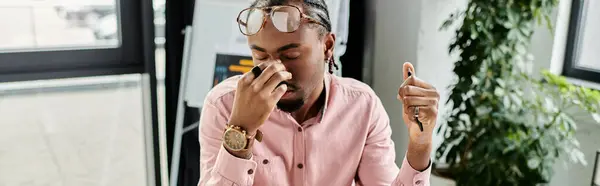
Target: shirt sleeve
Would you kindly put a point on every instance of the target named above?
(410, 176)
(377, 165)
(217, 166)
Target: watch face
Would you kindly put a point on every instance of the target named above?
(235, 140)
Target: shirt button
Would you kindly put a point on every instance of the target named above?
(300, 165)
(250, 171)
(266, 161)
(418, 182)
(299, 129)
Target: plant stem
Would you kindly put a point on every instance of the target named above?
(463, 157)
(554, 119)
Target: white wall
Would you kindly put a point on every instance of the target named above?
(396, 33)
(408, 30)
(434, 64)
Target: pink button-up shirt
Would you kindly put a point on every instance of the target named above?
(348, 143)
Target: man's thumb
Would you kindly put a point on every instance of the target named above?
(408, 70)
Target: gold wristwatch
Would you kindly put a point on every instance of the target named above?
(236, 139)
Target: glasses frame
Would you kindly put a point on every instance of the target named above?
(303, 16)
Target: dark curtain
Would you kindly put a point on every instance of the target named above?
(353, 58)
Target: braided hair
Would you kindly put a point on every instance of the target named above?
(332, 65)
(316, 9)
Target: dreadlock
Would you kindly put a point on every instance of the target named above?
(316, 9)
(332, 64)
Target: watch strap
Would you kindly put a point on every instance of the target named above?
(258, 136)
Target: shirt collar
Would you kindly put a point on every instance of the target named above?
(327, 88)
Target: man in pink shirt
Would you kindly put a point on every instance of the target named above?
(289, 122)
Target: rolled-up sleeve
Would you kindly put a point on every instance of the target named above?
(217, 166)
(377, 165)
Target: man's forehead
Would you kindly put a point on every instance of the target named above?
(276, 43)
(270, 38)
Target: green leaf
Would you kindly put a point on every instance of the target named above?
(446, 24)
(475, 80)
(533, 163)
(499, 91)
(575, 143)
(506, 101)
(516, 170)
(580, 157)
(536, 14)
(512, 16)
(508, 25)
(520, 49)
(569, 121)
(474, 35)
(550, 106)
(549, 23)
(596, 117)
(501, 82)
(513, 34)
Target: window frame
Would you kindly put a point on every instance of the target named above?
(570, 68)
(135, 54)
(596, 169)
(127, 57)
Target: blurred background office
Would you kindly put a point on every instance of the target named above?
(108, 92)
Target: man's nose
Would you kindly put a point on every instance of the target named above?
(271, 60)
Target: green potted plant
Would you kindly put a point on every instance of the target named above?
(507, 127)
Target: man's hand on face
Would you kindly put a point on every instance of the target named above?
(256, 97)
(417, 93)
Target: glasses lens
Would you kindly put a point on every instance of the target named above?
(286, 19)
(251, 20)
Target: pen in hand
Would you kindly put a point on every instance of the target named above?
(416, 107)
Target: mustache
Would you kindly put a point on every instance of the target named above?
(289, 85)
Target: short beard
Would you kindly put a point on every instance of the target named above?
(290, 106)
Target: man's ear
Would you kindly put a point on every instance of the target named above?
(329, 45)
